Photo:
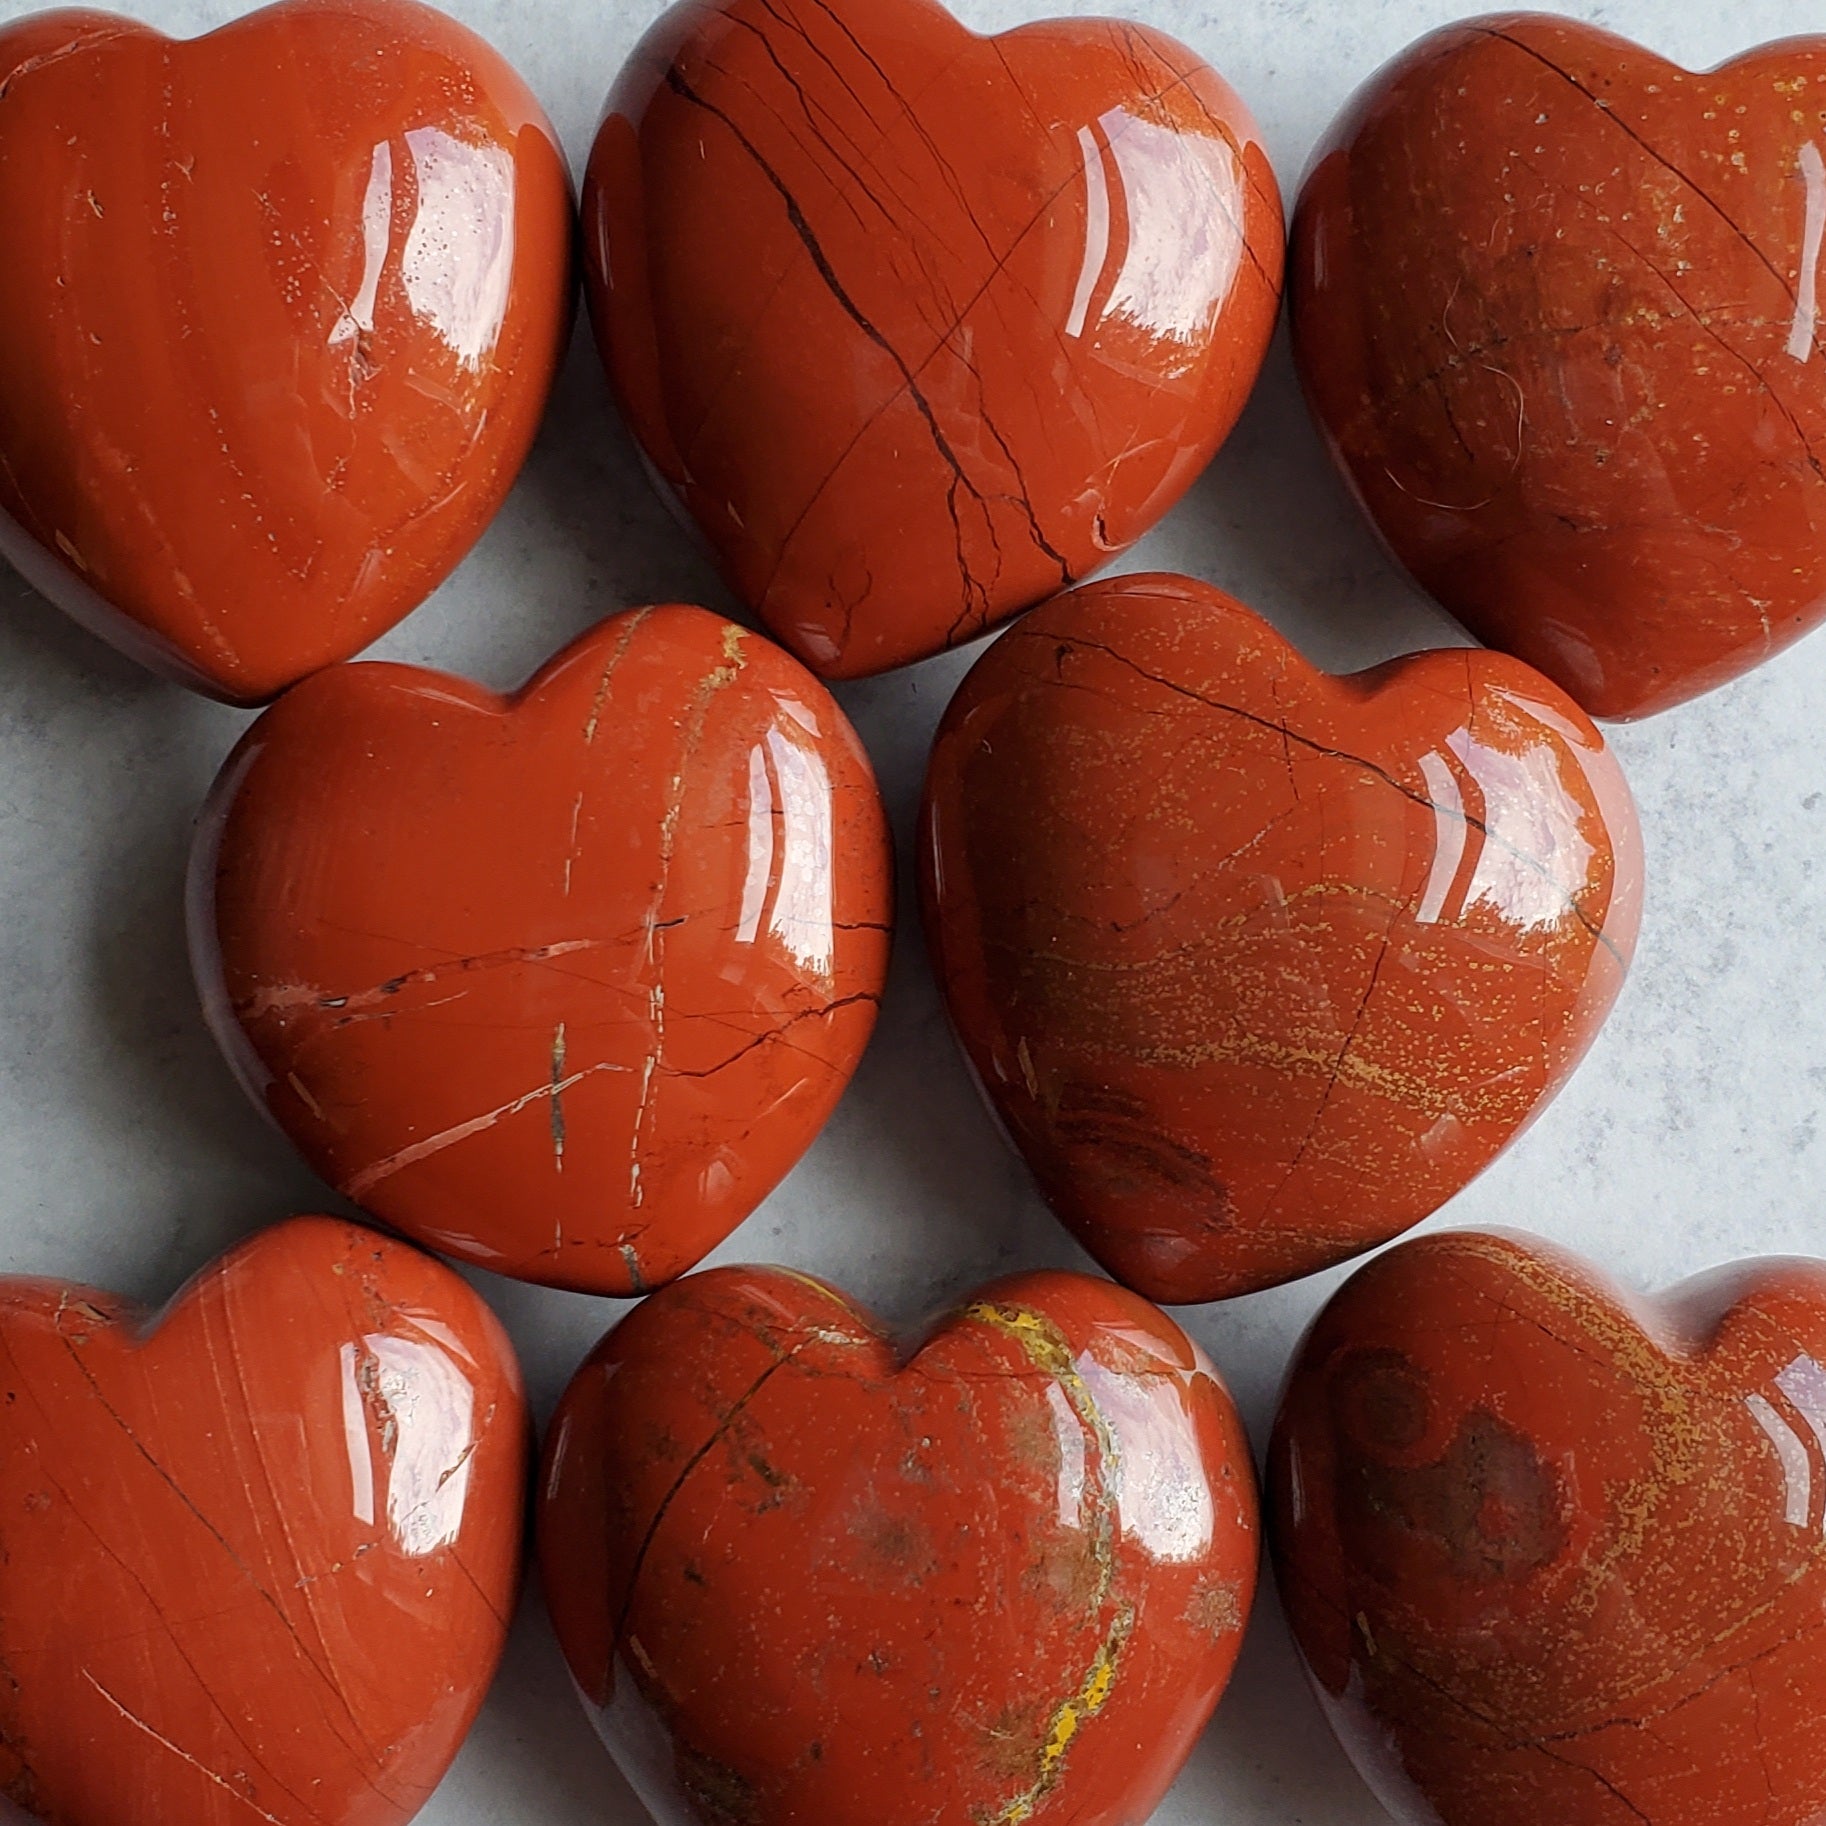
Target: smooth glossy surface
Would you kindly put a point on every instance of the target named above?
(279, 311)
(259, 1551)
(920, 326)
(1556, 1555)
(561, 983)
(1258, 965)
(800, 1577)
(1556, 303)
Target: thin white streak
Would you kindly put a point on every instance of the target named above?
(139, 1724)
(1448, 835)
(760, 847)
(377, 234)
(1792, 1453)
(1804, 1383)
(371, 1176)
(1096, 230)
(804, 910)
(1807, 297)
(355, 1435)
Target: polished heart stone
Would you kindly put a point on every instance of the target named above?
(260, 1549)
(561, 983)
(802, 1575)
(279, 311)
(1555, 1554)
(920, 326)
(1258, 965)
(1556, 307)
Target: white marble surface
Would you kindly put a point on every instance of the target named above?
(1693, 1133)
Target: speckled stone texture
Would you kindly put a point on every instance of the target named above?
(563, 983)
(1556, 304)
(801, 1574)
(1552, 1554)
(260, 1550)
(921, 326)
(1696, 1131)
(1257, 964)
(279, 313)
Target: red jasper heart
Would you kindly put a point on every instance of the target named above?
(921, 326)
(1553, 1554)
(279, 312)
(260, 1550)
(799, 1575)
(564, 983)
(1556, 305)
(1260, 966)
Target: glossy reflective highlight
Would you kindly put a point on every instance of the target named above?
(562, 983)
(1555, 302)
(1001, 1575)
(1260, 966)
(921, 326)
(1554, 1553)
(279, 312)
(261, 1549)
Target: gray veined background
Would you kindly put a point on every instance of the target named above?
(127, 1157)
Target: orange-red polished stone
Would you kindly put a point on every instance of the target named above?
(561, 983)
(260, 1549)
(1259, 965)
(279, 310)
(1553, 1555)
(1556, 306)
(803, 1576)
(921, 326)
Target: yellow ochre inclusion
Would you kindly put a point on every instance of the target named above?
(1049, 1351)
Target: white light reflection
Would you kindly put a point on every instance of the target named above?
(1068, 1429)
(1804, 1383)
(1530, 858)
(1806, 322)
(1793, 1456)
(458, 264)
(760, 848)
(408, 1415)
(1163, 1497)
(803, 912)
(376, 231)
(355, 1439)
(1535, 857)
(1184, 197)
(1096, 230)
(1450, 831)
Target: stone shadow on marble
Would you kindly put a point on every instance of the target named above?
(1272, 522)
(1269, 1752)
(533, 1753)
(164, 1076)
(923, 1138)
(36, 636)
(588, 484)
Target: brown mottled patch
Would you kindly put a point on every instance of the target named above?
(1112, 1138)
(1066, 1568)
(892, 1544)
(1215, 1608)
(720, 1795)
(769, 1473)
(1487, 1505)
(758, 1481)
(1380, 1402)
(661, 1445)
(1033, 1441)
(1011, 1741)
